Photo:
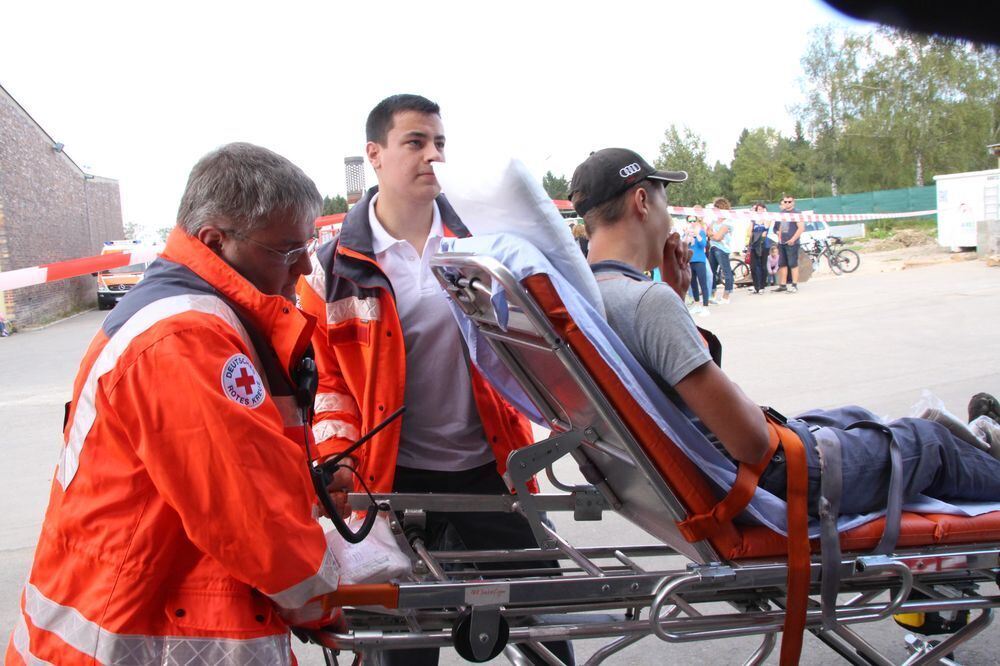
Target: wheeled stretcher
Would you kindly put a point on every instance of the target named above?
(772, 576)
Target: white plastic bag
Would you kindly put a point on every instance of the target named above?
(932, 408)
(987, 430)
(377, 559)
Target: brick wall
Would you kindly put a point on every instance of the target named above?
(49, 211)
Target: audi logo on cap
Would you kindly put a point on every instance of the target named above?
(627, 171)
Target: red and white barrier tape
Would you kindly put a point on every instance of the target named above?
(718, 213)
(26, 277)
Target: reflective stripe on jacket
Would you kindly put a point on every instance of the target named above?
(361, 354)
(180, 519)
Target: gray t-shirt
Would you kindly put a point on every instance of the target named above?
(652, 321)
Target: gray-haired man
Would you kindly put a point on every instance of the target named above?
(180, 524)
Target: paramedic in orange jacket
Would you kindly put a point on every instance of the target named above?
(180, 526)
(386, 337)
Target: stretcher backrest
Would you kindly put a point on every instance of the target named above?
(573, 389)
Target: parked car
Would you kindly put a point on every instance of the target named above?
(815, 231)
(113, 284)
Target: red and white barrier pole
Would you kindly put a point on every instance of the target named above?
(60, 270)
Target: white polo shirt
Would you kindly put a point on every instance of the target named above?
(441, 426)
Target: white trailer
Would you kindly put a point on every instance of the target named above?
(963, 200)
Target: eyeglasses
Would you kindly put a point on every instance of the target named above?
(288, 258)
(788, 201)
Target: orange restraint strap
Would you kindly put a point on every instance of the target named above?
(797, 584)
(701, 526)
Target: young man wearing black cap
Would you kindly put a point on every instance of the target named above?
(623, 203)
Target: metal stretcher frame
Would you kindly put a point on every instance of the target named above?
(622, 593)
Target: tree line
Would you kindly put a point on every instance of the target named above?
(881, 110)
(334, 205)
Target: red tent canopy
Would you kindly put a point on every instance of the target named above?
(328, 220)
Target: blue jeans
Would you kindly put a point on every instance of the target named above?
(935, 462)
(699, 277)
(719, 258)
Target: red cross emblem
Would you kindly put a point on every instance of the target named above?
(241, 383)
(245, 381)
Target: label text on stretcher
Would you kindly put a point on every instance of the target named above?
(487, 595)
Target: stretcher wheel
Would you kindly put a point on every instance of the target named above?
(461, 636)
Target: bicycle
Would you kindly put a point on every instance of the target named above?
(842, 260)
(741, 270)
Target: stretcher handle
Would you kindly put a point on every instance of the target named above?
(368, 594)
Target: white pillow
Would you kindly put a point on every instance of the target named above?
(506, 199)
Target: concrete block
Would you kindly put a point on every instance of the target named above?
(987, 238)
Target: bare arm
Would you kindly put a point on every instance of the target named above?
(719, 231)
(726, 411)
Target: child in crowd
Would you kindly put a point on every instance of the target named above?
(772, 266)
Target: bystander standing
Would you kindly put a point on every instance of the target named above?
(789, 232)
(580, 236)
(720, 234)
(758, 248)
(697, 239)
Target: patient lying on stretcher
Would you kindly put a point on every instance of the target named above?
(630, 232)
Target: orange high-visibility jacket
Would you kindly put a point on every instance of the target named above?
(180, 519)
(361, 355)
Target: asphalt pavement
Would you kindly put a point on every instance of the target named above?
(876, 338)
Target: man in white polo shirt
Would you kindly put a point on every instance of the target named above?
(386, 337)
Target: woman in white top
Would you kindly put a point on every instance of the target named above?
(720, 233)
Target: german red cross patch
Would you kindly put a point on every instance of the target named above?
(241, 383)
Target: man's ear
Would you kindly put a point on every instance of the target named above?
(211, 236)
(374, 152)
(640, 199)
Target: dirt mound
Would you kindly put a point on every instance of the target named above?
(912, 237)
(900, 239)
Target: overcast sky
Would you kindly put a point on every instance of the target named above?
(139, 91)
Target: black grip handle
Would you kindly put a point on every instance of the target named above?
(320, 479)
